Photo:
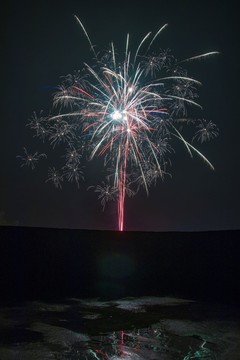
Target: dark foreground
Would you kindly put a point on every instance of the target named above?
(139, 286)
(142, 328)
(42, 264)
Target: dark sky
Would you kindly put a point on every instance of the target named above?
(42, 41)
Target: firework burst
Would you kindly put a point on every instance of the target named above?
(126, 110)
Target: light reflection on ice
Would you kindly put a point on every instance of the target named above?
(59, 335)
(139, 303)
(132, 304)
(86, 330)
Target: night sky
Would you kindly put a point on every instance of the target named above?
(42, 42)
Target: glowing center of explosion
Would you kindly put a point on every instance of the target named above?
(129, 111)
(119, 115)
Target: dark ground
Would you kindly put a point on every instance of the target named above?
(49, 264)
(143, 328)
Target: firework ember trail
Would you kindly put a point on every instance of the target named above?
(128, 110)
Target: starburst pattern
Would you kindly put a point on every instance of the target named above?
(125, 109)
(30, 159)
(206, 131)
(55, 177)
(72, 172)
(105, 193)
(39, 125)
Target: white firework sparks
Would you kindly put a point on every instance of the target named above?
(126, 110)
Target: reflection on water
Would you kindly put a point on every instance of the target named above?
(137, 329)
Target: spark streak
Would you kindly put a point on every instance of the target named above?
(126, 110)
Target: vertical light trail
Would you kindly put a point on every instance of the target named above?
(128, 109)
(122, 187)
